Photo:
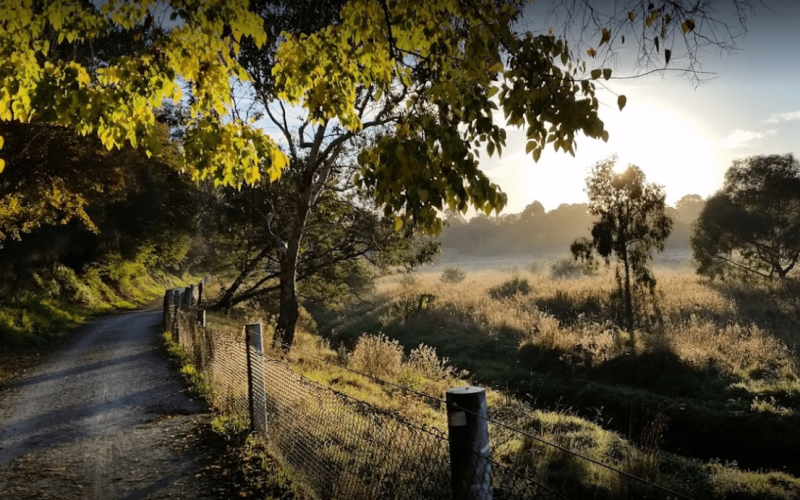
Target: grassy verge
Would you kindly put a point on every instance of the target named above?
(60, 300)
(243, 458)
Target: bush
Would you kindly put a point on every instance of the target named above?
(424, 360)
(377, 355)
(514, 286)
(452, 275)
(569, 268)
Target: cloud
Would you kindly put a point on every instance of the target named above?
(743, 138)
(783, 117)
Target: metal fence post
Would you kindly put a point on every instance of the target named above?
(468, 430)
(200, 287)
(256, 392)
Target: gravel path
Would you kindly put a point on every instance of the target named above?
(106, 418)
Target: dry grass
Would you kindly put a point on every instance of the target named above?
(706, 325)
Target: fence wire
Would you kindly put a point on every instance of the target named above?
(343, 448)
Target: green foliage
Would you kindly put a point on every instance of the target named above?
(128, 215)
(231, 427)
(569, 268)
(116, 100)
(198, 385)
(452, 275)
(510, 288)
(57, 300)
(751, 227)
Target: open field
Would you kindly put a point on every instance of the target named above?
(717, 361)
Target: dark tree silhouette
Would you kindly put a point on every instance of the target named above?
(631, 224)
(751, 227)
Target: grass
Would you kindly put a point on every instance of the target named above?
(59, 301)
(705, 357)
(198, 385)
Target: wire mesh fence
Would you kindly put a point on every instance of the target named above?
(342, 448)
(345, 448)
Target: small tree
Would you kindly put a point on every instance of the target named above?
(631, 224)
(751, 227)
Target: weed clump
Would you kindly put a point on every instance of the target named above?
(377, 355)
(452, 275)
(424, 360)
(510, 288)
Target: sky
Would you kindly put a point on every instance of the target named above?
(683, 137)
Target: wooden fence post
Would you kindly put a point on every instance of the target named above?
(177, 299)
(201, 317)
(167, 304)
(188, 296)
(468, 430)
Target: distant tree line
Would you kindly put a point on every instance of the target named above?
(536, 231)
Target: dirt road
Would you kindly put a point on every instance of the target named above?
(106, 418)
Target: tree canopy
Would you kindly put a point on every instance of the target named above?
(751, 227)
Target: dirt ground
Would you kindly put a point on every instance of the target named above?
(107, 416)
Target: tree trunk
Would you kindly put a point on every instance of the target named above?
(628, 298)
(289, 308)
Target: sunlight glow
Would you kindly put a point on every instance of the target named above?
(672, 148)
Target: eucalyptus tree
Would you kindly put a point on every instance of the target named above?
(631, 224)
(751, 227)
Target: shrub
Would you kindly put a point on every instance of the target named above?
(452, 275)
(377, 355)
(424, 360)
(568, 268)
(514, 286)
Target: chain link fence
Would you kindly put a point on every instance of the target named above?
(344, 448)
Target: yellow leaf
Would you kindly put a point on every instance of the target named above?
(398, 223)
(2, 141)
(621, 101)
(56, 19)
(2, 165)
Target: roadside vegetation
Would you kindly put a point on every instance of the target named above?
(242, 457)
(712, 364)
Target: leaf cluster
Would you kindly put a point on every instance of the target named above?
(114, 98)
